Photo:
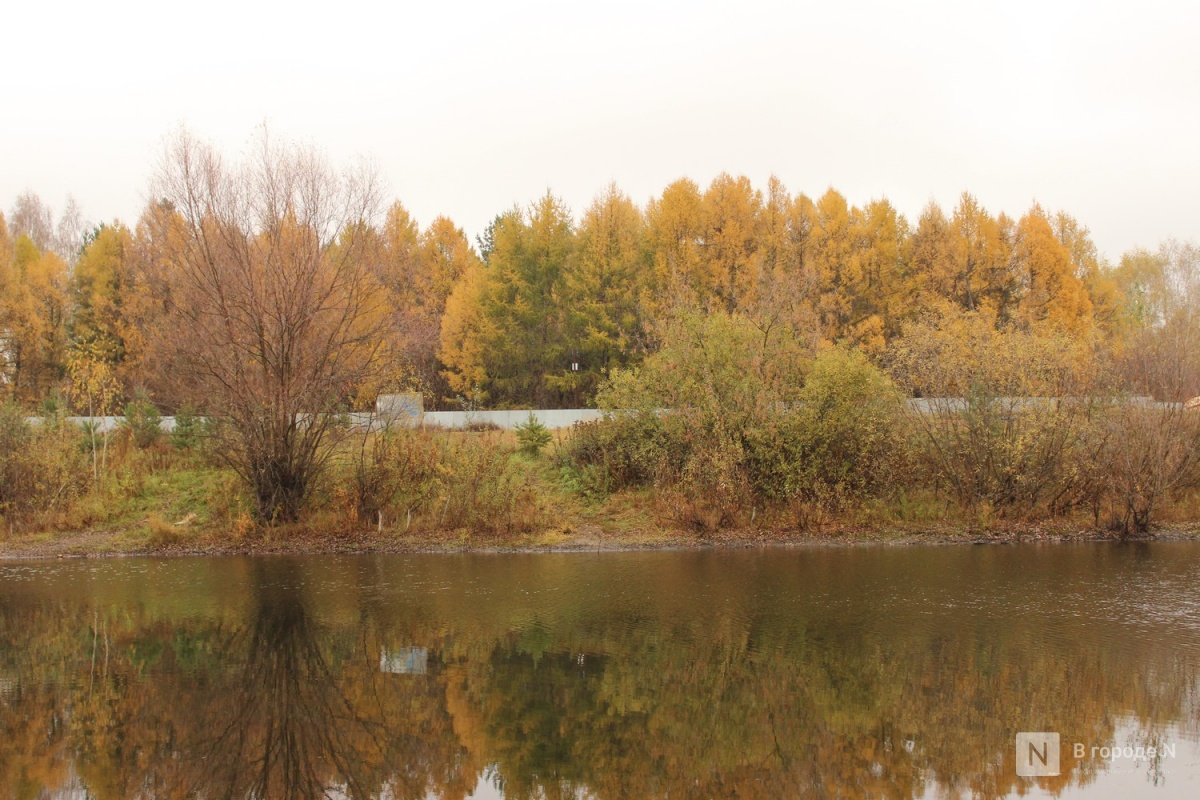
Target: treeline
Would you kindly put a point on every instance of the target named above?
(272, 294)
(549, 305)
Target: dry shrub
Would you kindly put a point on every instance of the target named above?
(161, 534)
(42, 467)
(484, 489)
(408, 477)
(710, 492)
(230, 507)
(1151, 455)
(392, 473)
(1005, 417)
(1015, 456)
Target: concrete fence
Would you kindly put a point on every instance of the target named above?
(555, 418)
(460, 420)
(550, 417)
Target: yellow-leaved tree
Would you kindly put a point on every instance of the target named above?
(731, 262)
(444, 257)
(99, 283)
(674, 236)
(879, 285)
(33, 311)
(1051, 294)
(828, 254)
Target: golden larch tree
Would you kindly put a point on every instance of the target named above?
(1051, 293)
(731, 261)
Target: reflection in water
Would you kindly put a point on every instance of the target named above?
(810, 673)
(282, 726)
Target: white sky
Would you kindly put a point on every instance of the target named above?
(467, 108)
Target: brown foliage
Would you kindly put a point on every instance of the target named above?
(274, 313)
(1150, 454)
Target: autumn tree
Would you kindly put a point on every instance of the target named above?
(828, 252)
(461, 344)
(33, 311)
(930, 253)
(1161, 290)
(506, 333)
(603, 290)
(1102, 289)
(979, 259)
(147, 289)
(421, 269)
(275, 312)
(98, 285)
(406, 342)
(7, 287)
(95, 392)
(732, 263)
(879, 234)
(674, 230)
(33, 218)
(446, 255)
(1051, 293)
(787, 289)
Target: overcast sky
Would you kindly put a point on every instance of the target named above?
(468, 108)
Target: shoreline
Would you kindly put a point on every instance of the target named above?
(114, 544)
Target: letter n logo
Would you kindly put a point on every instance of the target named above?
(1037, 754)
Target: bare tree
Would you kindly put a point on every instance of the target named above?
(33, 218)
(274, 316)
(1162, 357)
(1151, 454)
(70, 232)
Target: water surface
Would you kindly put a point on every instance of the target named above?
(859, 672)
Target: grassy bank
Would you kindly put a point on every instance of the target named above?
(410, 491)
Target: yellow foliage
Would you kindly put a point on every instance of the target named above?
(461, 343)
(674, 227)
(33, 312)
(1052, 295)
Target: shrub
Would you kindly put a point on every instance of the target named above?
(483, 489)
(533, 435)
(1006, 414)
(836, 444)
(16, 437)
(393, 470)
(725, 422)
(438, 479)
(143, 421)
(681, 419)
(42, 468)
(628, 449)
(188, 430)
(1149, 454)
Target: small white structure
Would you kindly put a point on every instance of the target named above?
(404, 661)
(400, 407)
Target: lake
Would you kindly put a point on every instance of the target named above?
(769, 673)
